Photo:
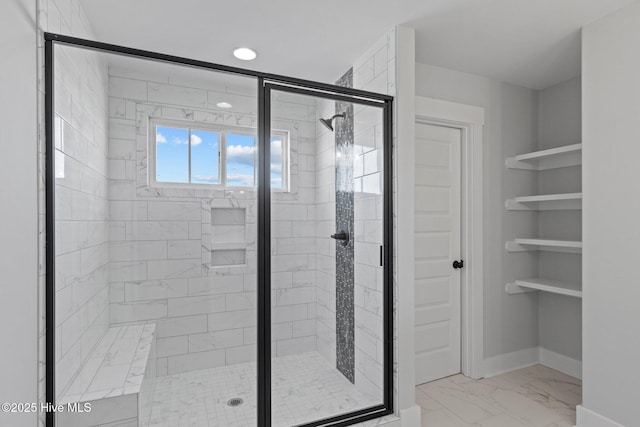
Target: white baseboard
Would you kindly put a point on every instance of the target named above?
(410, 417)
(587, 418)
(561, 363)
(511, 361)
(530, 356)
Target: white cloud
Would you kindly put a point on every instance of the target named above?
(160, 138)
(206, 178)
(179, 141)
(241, 154)
(196, 140)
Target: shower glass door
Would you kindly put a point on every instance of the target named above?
(218, 244)
(155, 194)
(327, 284)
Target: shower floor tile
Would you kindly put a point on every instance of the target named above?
(305, 388)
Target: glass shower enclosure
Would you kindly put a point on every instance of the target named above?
(219, 243)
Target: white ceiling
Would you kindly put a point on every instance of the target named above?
(532, 43)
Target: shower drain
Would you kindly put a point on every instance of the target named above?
(236, 401)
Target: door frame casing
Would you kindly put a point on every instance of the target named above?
(469, 120)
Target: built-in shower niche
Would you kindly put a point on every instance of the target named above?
(228, 237)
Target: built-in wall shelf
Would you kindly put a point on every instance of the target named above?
(553, 158)
(546, 202)
(545, 285)
(523, 245)
(228, 236)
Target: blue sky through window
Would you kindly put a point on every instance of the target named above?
(204, 157)
(172, 157)
(172, 154)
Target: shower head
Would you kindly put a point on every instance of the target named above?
(328, 123)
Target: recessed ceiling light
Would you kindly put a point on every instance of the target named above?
(224, 105)
(244, 53)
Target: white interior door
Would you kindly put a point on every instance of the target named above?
(437, 245)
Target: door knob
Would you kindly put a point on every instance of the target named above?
(458, 264)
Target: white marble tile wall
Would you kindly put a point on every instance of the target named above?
(161, 239)
(82, 232)
(325, 226)
(374, 71)
(368, 152)
(80, 108)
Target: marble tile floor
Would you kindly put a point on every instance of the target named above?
(305, 388)
(536, 396)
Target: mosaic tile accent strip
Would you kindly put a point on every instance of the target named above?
(345, 279)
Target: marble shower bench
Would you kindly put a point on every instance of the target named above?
(117, 379)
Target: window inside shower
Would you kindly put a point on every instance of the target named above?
(215, 265)
(187, 152)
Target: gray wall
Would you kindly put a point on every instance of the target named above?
(19, 226)
(559, 317)
(511, 321)
(611, 135)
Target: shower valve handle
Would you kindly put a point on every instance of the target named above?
(340, 236)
